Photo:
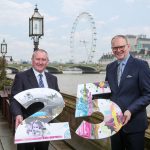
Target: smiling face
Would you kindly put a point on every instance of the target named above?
(120, 47)
(39, 60)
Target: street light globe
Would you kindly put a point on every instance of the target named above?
(3, 48)
(36, 24)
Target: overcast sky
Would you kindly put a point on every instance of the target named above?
(111, 17)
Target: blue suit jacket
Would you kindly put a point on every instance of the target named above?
(133, 93)
(27, 80)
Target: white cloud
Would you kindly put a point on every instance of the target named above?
(71, 7)
(137, 1)
(136, 30)
(100, 23)
(49, 18)
(114, 18)
(14, 13)
(64, 26)
(130, 1)
(19, 13)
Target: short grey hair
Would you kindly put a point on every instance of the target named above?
(40, 50)
(120, 36)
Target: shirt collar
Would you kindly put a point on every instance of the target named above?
(124, 61)
(37, 73)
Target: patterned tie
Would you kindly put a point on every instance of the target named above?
(119, 72)
(41, 84)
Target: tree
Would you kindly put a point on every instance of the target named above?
(3, 79)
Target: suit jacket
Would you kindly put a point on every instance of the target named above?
(133, 93)
(27, 80)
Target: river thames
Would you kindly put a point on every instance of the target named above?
(68, 82)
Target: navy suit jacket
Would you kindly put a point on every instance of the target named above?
(27, 80)
(133, 93)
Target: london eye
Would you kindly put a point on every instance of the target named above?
(83, 37)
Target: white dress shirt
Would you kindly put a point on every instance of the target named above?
(43, 78)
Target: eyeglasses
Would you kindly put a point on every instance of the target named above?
(118, 48)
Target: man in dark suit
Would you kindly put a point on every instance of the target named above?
(129, 80)
(27, 80)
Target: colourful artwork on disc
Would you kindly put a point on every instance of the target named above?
(36, 128)
(85, 106)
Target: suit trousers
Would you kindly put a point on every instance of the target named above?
(33, 146)
(128, 141)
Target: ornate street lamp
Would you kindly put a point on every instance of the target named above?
(36, 27)
(3, 64)
(3, 48)
(3, 72)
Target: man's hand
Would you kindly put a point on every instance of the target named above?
(126, 117)
(19, 119)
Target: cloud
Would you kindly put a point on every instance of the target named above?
(134, 30)
(19, 13)
(71, 7)
(50, 18)
(136, 1)
(14, 13)
(47, 17)
(114, 18)
(100, 23)
(130, 1)
(64, 26)
(56, 49)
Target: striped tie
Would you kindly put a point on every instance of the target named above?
(41, 84)
(119, 72)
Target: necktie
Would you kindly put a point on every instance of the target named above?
(119, 72)
(41, 84)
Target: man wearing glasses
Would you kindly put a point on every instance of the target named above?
(129, 80)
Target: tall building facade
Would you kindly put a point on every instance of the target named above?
(139, 43)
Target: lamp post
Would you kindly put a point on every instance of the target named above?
(4, 52)
(3, 48)
(36, 27)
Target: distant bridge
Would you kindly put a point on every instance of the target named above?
(60, 68)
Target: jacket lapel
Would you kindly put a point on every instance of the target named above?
(32, 79)
(113, 74)
(126, 69)
(49, 81)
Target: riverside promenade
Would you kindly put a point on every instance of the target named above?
(6, 135)
(6, 138)
(6, 128)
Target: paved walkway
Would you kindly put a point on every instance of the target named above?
(6, 138)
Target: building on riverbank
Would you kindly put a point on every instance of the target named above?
(140, 48)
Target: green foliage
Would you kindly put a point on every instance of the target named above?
(3, 80)
(1, 62)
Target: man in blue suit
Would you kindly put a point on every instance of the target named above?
(27, 80)
(129, 80)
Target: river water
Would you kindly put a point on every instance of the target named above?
(68, 82)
